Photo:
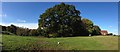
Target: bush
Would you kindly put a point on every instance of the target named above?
(33, 32)
(110, 34)
(6, 32)
(53, 35)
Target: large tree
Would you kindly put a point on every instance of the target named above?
(61, 20)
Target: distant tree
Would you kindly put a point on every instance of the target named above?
(22, 31)
(96, 30)
(62, 20)
(0, 29)
(33, 32)
(110, 34)
(12, 29)
(88, 24)
(19, 31)
(26, 32)
(93, 29)
(3, 28)
(41, 32)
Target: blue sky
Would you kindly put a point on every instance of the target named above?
(104, 14)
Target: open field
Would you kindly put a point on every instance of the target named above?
(12, 42)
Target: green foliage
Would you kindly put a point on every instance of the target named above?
(53, 35)
(96, 30)
(62, 19)
(3, 28)
(6, 32)
(0, 29)
(42, 32)
(110, 34)
(22, 31)
(12, 28)
(93, 29)
(19, 31)
(33, 32)
(88, 24)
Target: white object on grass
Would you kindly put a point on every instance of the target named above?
(58, 42)
(89, 34)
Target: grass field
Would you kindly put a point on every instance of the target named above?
(12, 42)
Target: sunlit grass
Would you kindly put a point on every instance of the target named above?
(11, 42)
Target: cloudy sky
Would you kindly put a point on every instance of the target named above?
(26, 14)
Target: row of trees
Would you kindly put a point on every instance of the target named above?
(19, 31)
(92, 29)
(65, 20)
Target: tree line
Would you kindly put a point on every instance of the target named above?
(20, 31)
(14, 30)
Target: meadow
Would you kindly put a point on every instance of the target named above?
(13, 42)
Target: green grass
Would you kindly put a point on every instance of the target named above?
(12, 42)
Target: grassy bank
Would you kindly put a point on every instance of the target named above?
(12, 42)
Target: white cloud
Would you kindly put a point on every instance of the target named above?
(3, 15)
(110, 26)
(21, 21)
(114, 32)
(25, 25)
(0, 15)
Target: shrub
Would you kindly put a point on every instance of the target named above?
(53, 35)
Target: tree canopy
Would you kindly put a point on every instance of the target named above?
(91, 28)
(88, 24)
(63, 20)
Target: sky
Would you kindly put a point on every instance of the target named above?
(26, 14)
